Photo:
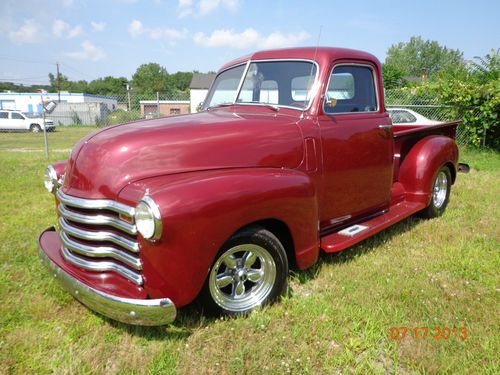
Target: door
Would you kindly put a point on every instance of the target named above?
(17, 121)
(357, 140)
(5, 121)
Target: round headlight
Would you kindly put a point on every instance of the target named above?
(50, 179)
(148, 219)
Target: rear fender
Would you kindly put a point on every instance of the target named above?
(202, 210)
(420, 166)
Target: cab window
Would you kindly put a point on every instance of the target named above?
(351, 89)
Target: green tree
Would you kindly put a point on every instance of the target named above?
(111, 86)
(487, 69)
(392, 76)
(151, 78)
(181, 80)
(413, 56)
(65, 84)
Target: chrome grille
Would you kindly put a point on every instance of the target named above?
(95, 237)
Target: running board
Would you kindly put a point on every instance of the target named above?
(352, 235)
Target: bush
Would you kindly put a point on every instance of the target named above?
(476, 104)
(120, 116)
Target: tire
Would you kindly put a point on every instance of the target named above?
(441, 188)
(35, 128)
(250, 271)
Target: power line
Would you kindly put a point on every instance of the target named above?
(77, 71)
(22, 78)
(26, 60)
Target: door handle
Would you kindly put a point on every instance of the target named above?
(386, 129)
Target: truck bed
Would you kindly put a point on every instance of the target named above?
(405, 136)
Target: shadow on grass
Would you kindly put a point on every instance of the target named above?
(364, 247)
(192, 317)
(189, 319)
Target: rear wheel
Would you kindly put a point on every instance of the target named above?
(440, 194)
(35, 128)
(249, 271)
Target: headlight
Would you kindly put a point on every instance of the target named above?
(148, 219)
(50, 179)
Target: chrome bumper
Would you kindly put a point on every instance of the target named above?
(145, 312)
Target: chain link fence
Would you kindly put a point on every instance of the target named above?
(69, 117)
(405, 107)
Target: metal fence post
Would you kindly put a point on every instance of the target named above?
(157, 104)
(44, 130)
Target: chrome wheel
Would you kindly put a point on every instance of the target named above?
(440, 190)
(242, 278)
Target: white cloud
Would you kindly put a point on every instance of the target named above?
(248, 38)
(98, 26)
(61, 28)
(29, 32)
(227, 38)
(67, 3)
(74, 32)
(278, 40)
(185, 8)
(204, 7)
(208, 6)
(135, 28)
(89, 52)
(171, 35)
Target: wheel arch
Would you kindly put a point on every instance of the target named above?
(202, 210)
(281, 230)
(419, 168)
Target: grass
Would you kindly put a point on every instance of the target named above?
(62, 139)
(336, 319)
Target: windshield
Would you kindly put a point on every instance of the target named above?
(276, 83)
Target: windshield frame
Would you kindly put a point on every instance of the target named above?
(314, 88)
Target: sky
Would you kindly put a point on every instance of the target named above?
(92, 39)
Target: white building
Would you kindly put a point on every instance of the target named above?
(32, 102)
(199, 88)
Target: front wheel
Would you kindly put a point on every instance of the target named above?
(249, 271)
(35, 128)
(440, 194)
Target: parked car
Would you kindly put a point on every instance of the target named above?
(293, 153)
(404, 116)
(16, 120)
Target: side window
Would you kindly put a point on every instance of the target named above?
(17, 116)
(351, 89)
(4, 114)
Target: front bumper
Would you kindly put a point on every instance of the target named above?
(146, 312)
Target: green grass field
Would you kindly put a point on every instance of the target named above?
(336, 318)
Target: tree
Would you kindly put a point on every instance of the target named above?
(487, 69)
(65, 84)
(111, 86)
(413, 56)
(181, 80)
(392, 76)
(151, 78)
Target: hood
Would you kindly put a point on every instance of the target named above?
(105, 162)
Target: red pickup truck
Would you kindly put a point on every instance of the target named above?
(292, 153)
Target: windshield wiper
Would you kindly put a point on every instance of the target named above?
(268, 105)
(220, 105)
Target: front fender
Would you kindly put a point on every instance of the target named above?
(201, 210)
(420, 166)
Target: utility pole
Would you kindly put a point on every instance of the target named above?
(58, 84)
